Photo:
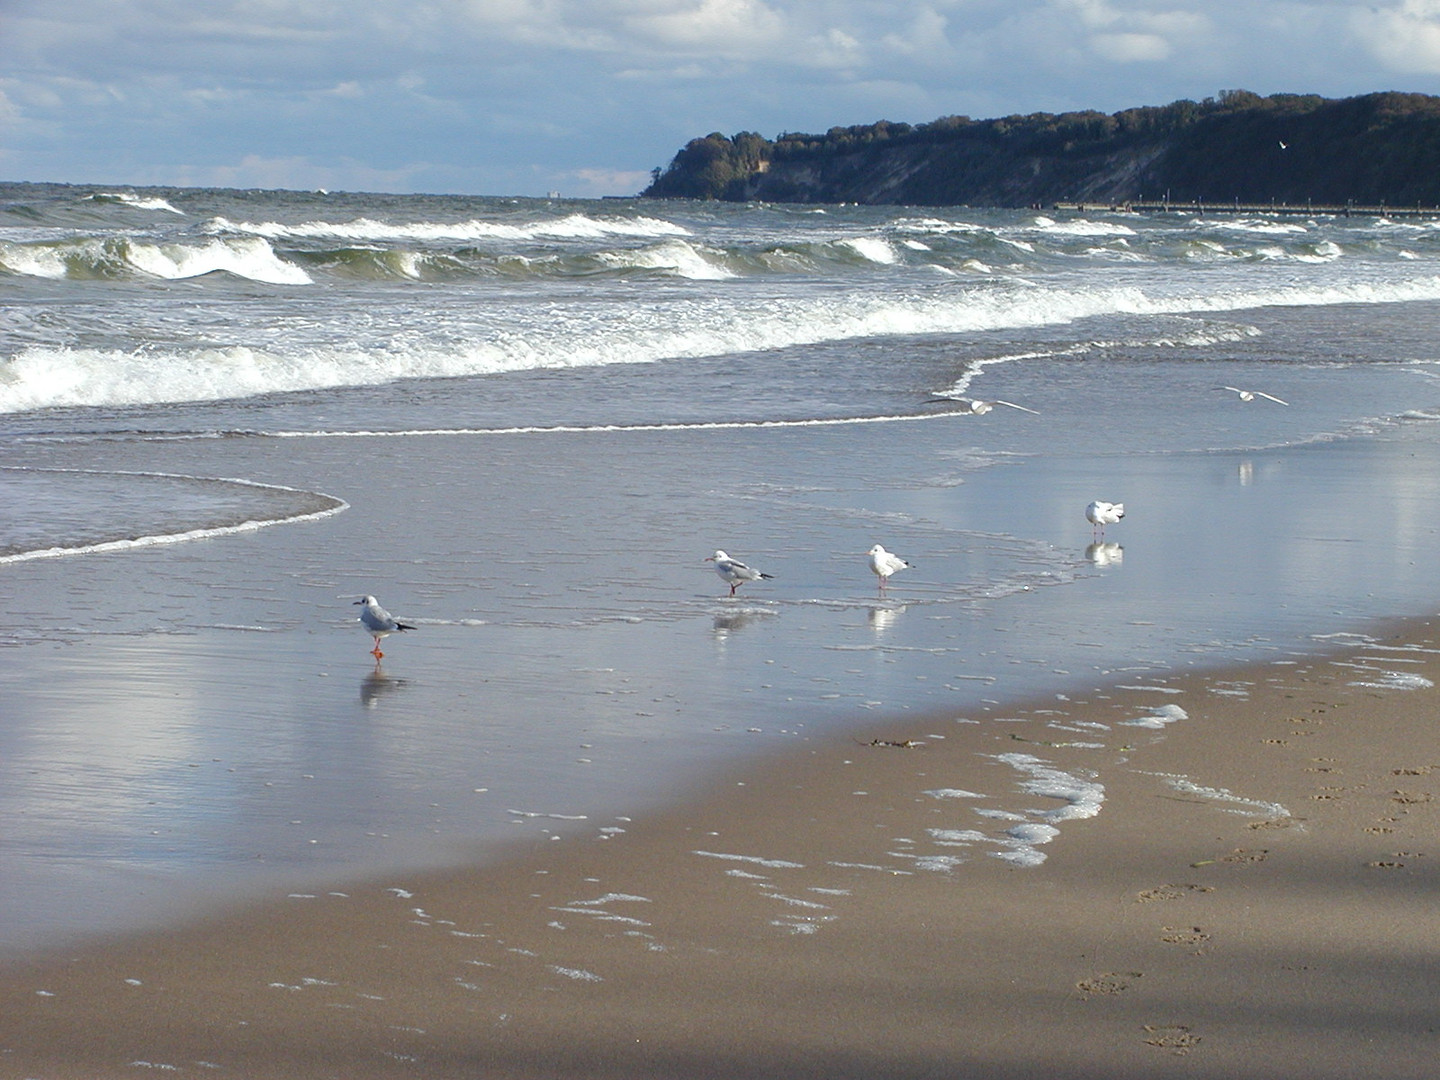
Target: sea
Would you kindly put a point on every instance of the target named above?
(523, 425)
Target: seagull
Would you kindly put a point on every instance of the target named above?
(734, 572)
(1100, 514)
(884, 563)
(1251, 395)
(378, 621)
(977, 407)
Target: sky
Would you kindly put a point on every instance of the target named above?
(586, 97)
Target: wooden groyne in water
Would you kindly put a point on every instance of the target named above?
(1205, 206)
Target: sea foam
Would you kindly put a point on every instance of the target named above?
(571, 227)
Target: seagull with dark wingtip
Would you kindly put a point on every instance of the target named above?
(379, 622)
(734, 572)
(884, 563)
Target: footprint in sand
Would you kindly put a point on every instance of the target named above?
(1245, 857)
(1170, 892)
(1238, 857)
(1177, 1038)
(1273, 823)
(1411, 798)
(1112, 982)
(1192, 936)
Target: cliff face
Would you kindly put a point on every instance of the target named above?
(1380, 148)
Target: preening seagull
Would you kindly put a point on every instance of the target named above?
(884, 563)
(734, 572)
(977, 407)
(1100, 514)
(1251, 395)
(379, 622)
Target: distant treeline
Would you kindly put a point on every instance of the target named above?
(1288, 148)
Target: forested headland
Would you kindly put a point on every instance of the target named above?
(1376, 149)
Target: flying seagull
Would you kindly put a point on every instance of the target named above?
(1251, 395)
(734, 572)
(379, 622)
(1100, 514)
(977, 407)
(884, 563)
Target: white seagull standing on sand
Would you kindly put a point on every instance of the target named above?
(884, 563)
(1251, 395)
(1100, 514)
(378, 622)
(734, 572)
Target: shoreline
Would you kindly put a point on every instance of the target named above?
(780, 922)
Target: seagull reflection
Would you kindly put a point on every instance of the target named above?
(882, 618)
(730, 622)
(1105, 553)
(376, 685)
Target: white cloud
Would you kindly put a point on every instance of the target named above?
(726, 26)
(1131, 48)
(1131, 35)
(924, 36)
(1404, 38)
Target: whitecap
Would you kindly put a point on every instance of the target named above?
(247, 258)
(683, 259)
(139, 202)
(872, 248)
(1082, 227)
(570, 227)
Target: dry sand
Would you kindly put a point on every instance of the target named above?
(1176, 933)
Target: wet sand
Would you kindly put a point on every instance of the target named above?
(1254, 899)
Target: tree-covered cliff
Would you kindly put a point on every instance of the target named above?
(1377, 149)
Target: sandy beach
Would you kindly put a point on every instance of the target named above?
(1255, 899)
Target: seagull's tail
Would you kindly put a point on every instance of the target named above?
(767, 577)
(403, 626)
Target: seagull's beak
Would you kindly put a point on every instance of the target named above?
(357, 602)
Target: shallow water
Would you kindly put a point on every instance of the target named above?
(202, 718)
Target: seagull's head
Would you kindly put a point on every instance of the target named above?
(368, 601)
(719, 556)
